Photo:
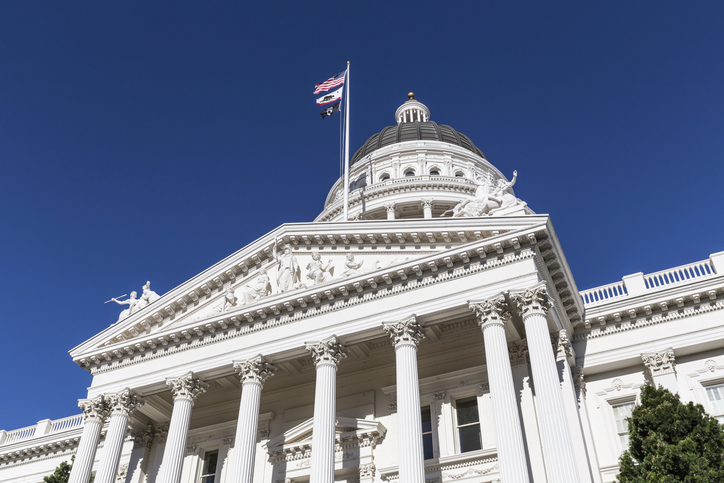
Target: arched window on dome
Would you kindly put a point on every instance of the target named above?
(409, 173)
(384, 176)
(434, 171)
(459, 174)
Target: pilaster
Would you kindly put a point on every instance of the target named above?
(661, 369)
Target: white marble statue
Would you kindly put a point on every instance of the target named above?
(289, 274)
(132, 302)
(257, 290)
(489, 198)
(352, 266)
(317, 271)
(147, 297)
(229, 299)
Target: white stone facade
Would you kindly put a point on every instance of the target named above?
(400, 346)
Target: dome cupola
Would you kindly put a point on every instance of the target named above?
(412, 111)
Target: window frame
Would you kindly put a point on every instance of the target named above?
(201, 475)
(457, 425)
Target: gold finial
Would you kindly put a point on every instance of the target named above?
(411, 95)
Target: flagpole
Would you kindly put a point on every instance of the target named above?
(346, 147)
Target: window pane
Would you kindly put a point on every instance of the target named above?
(716, 397)
(467, 410)
(426, 420)
(620, 413)
(470, 438)
(211, 459)
(427, 446)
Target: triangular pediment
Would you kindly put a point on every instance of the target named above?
(302, 264)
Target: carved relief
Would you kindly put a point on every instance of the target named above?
(255, 370)
(289, 275)
(187, 387)
(317, 271)
(490, 198)
(407, 331)
(327, 352)
(518, 353)
(659, 363)
(352, 267)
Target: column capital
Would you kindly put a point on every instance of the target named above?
(94, 409)
(490, 311)
(405, 332)
(659, 363)
(532, 300)
(328, 352)
(426, 202)
(187, 387)
(390, 207)
(562, 347)
(123, 402)
(255, 371)
(143, 437)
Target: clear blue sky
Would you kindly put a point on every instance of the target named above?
(148, 140)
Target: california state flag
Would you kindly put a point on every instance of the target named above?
(331, 97)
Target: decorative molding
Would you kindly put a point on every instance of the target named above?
(659, 363)
(562, 347)
(187, 387)
(254, 371)
(367, 471)
(327, 352)
(405, 332)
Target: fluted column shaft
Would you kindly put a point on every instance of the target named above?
(492, 315)
(406, 335)
(185, 390)
(120, 405)
(253, 373)
(557, 450)
(95, 412)
(327, 355)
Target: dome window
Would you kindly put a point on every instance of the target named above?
(409, 173)
(459, 174)
(384, 177)
(434, 172)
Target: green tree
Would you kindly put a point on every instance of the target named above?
(62, 473)
(671, 442)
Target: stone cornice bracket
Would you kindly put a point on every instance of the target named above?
(187, 387)
(405, 332)
(659, 363)
(491, 311)
(532, 301)
(123, 402)
(327, 351)
(254, 371)
(94, 409)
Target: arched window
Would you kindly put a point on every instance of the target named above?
(384, 176)
(434, 172)
(409, 173)
(459, 174)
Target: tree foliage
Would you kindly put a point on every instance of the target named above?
(672, 442)
(62, 473)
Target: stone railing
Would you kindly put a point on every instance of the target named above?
(638, 283)
(43, 428)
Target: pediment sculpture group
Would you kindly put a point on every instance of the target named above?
(490, 197)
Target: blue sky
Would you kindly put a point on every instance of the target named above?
(148, 140)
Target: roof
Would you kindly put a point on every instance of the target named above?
(415, 131)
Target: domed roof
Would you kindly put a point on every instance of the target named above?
(415, 131)
(413, 124)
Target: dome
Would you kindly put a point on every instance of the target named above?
(414, 124)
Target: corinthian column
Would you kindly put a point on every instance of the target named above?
(94, 412)
(492, 315)
(327, 355)
(120, 406)
(557, 449)
(406, 335)
(253, 373)
(185, 389)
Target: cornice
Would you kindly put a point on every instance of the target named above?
(337, 295)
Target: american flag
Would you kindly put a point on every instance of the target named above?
(329, 83)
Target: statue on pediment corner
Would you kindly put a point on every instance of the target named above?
(132, 302)
(318, 271)
(289, 274)
(147, 297)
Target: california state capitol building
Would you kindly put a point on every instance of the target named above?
(435, 336)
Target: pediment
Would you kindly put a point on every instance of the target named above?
(302, 264)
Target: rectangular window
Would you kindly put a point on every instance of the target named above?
(209, 469)
(621, 412)
(468, 424)
(716, 398)
(427, 433)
